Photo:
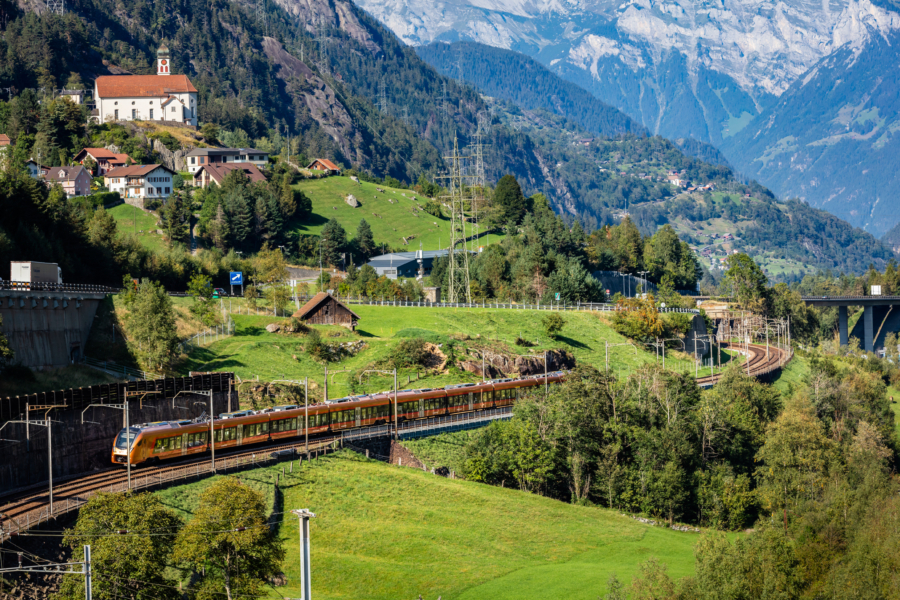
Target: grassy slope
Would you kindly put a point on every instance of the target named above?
(386, 532)
(392, 223)
(126, 215)
(255, 352)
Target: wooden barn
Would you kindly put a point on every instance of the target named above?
(324, 309)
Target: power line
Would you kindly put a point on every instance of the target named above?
(57, 7)
(460, 288)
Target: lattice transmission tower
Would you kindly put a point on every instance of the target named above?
(56, 6)
(261, 16)
(479, 178)
(382, 96)
(460, 288)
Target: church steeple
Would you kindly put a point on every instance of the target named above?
(163, 64)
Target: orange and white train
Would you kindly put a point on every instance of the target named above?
(154, 442)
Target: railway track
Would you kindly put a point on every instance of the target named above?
(760, 363)
(26, 508)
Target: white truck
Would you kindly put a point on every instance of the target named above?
(34, 272)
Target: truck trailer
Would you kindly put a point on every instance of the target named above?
(34, 272)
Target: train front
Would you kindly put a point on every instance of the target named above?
(123, 445)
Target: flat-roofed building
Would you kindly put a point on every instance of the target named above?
(200, 157)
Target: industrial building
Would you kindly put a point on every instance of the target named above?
(405, 264)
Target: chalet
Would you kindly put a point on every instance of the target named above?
(324, 309)
(75, 181)
(215, 174)
(140, 181)
(325, 165)
(198, 157)
(106, 160)
(160, 97)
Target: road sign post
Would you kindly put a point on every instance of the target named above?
(236, 278)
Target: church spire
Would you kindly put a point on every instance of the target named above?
(163, 64)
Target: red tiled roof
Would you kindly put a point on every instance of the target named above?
(142, 86)
(103, 154)
(218, 171)
(135, 170)
(326, 163)
(4, 139)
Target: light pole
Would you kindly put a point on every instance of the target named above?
(305, 569)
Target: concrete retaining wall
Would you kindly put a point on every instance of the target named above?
(47, 329)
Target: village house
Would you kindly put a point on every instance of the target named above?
(105, 160)
(324, 309)
(140, 181)
(199, 157)
(75, 181)
(4, 140)
(215, 174)
(325, 165)
(160, 97)
(76, 96)
(35, 171)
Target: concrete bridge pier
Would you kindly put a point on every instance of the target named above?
(868, 341)
(842, 325)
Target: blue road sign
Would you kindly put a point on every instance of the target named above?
(237, 278)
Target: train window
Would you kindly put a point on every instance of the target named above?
(293, 424)
(218, 435)
(229, 433)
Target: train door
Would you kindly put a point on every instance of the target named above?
(239, 435)
(471, 400)
(184, 443)
(358, 416)
(421, 408)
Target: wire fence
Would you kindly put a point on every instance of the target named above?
(204, 338)
(116, 369)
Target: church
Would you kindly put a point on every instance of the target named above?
(160, 97)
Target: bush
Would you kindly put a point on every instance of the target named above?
(105, 198)
(316, 347)
(410, 352)
(520, 341)
(433, 208)
(553, 324)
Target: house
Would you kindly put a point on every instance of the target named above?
(198, 157)
(76, 96)
(34, 170)
(4, 140)
(139, 182)
(75, 181)
(209, 174)
(106, 160)
(324, 309)
(160, 97)
(323, 164)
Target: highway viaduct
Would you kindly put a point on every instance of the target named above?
(879, 317)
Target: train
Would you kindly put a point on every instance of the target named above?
(151, 443)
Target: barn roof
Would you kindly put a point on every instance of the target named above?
(315, 302)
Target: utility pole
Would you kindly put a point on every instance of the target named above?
(61, 569)
(305, 569)
(46, 422)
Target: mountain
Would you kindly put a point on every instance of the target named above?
(833, 138)
(515, 77)
(722, 73)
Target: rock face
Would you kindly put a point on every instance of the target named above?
(499, 365)
(352, 201)
(684, 68)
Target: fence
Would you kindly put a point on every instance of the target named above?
(208, 336)
(116, 369)
(56, 287)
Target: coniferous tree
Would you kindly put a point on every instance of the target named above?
(333, 241)
(364, 241)
(509, 200)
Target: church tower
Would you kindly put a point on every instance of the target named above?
(163, 64)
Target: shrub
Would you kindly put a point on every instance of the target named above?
(433, 208)
(316, 347)
(520, 341)
(409, 353)
(106, 198)
(553, 324)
